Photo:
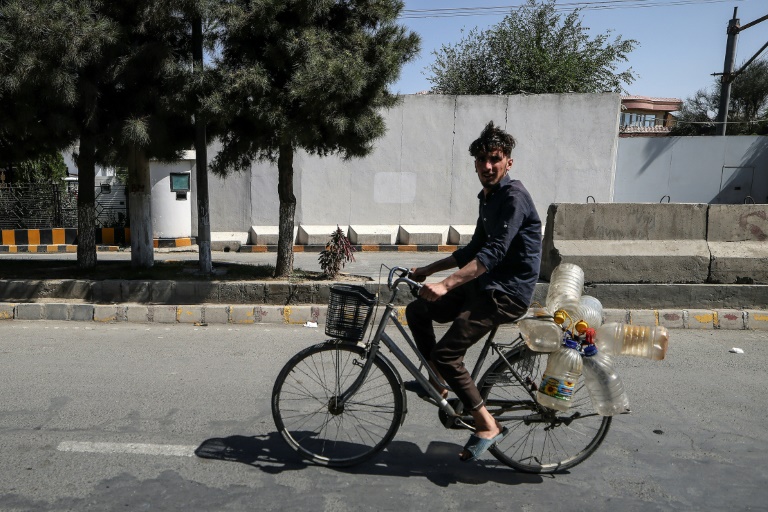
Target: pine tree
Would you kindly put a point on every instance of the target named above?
(304, 74)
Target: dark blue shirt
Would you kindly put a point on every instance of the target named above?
(507, 241)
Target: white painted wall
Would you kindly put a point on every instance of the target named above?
(692, 169)
(420, 172)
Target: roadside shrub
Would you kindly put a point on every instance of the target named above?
(337, 252)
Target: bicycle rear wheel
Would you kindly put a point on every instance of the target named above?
(541, 440)
(308, 416)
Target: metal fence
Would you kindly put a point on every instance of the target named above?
(52, 205)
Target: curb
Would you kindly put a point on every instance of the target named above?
(240, 314)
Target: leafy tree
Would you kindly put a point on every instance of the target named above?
(304, 74)
(532, 50)
(44, 169)
(107, 75)
(747, 109)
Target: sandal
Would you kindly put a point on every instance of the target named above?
(477, 446)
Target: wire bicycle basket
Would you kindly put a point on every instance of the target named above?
(349, 311)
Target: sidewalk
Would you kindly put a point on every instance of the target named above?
(286, 302)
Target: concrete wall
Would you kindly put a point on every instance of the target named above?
(420, 172)
(659, 243)
(715, 170)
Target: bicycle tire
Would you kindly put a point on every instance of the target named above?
(547, 444)
(307, 417)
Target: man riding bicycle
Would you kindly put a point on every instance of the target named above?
(498, 271)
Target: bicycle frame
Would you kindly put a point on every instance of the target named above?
(381, 336)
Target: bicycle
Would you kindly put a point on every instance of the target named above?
(340, 402)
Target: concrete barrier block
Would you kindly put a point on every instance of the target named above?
(315, 235)
(189, 314)
(731, 319)
(638, 261)
(164, 314)
(81, 312)
(6, 311)
(267, 235)
(242, 315)
(105, 313)
(216, 314)
(373, 235)
(137, 313)
(757, 319)
(646, 317)
(109, 291)
(422, 235)
(739, 262)
(55, 311)
(671, 318)
(460, 234)
(228, 240)
(628, 242)
(700, 319)
(30, 311)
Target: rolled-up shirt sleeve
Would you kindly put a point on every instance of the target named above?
(504, 229)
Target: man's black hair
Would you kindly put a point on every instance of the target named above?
(491, 139)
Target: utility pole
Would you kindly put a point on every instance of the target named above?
(201, 156)
(726, 79)
(728, 76)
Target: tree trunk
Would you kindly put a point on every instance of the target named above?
(86, 203)
(142, 248)
(201, 166)
(284, 265)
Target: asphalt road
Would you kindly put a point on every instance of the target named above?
(109, 417)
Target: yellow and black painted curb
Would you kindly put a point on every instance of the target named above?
(65, 240)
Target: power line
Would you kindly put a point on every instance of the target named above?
(569, 6)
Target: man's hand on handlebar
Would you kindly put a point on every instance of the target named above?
(418, 274)
(433, 291)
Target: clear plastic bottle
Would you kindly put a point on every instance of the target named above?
(561, 376)
(603, 383)
(565, 286)
(590, 310)
(632, 340)
(541, 334)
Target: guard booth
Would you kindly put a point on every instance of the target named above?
(172, 200)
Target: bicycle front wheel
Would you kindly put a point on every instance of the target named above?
(312, 420)
(541, 440)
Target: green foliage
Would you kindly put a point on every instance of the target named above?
(532, 50)
(747, 110)
(44, 169)
(337, 252)
(305, 74)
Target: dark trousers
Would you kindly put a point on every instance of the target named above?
(474, 312)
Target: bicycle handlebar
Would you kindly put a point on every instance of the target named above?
(402, 277)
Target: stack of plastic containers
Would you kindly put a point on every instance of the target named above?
(606, 390)
(590, 310)
(561, 376)
(565, 286)
(633, 340)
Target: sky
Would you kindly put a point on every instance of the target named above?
(681, 42)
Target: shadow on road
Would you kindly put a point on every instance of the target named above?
(440, 464)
